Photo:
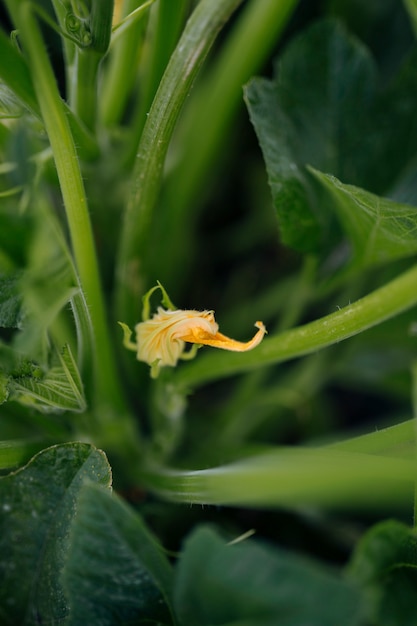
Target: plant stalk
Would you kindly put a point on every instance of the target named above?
(186, 60)
(393, 298)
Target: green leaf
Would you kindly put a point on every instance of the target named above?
(47, 286)
(15, 73)
(115, 566)
(309, 114)
(38, 503)
(10, 301)
(385, 563)
(256, 585)
(379, 229)
(15, 452)
(323, 110)
(60, 388)
(10, 106)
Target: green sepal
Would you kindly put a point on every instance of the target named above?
(165, 301)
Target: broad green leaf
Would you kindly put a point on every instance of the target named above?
(257, 585)
(10, 301)
(378, 229)
(385, 563)
(37, 506)
(59, 388)
(114, 566)
(323, 109)
(310, 114)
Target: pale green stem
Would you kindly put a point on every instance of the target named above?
(121, 73)
(292, 476)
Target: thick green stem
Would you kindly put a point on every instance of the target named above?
(293, 476)
(196, 40)
(377, 469)
(390, 300)
(165, 24)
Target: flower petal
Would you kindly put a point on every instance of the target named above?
(217, 340)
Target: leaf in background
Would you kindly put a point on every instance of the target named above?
(38, 503)
(256, 585)
(378, 229)
(15, 73)
(385, 563)
(114, 566)
(47, 286)
(10, 106)
(59, 389)
(323, 109)
(310, 113)
(10, 301)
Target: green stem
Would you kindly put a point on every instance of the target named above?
(217, 98)
(84, 86)
(121, 73)
(85, 69)
(166, 22)
(196, 40)
(231, 419)
(292, 476)
(108, 392)
(396, 296)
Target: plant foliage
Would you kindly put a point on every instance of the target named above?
(257, 157)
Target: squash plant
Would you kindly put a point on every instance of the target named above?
(253, 158)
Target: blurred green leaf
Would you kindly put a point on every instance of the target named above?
(59, 389)
(10, 301)
(47, 286)
(15, 73)
(385, 563)
(10, 106)
(257, 585)
(115, 566)
(15, 452)
(37, 506)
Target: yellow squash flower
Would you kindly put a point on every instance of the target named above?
(161, 340)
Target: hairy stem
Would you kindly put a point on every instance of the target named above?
(396, 296)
